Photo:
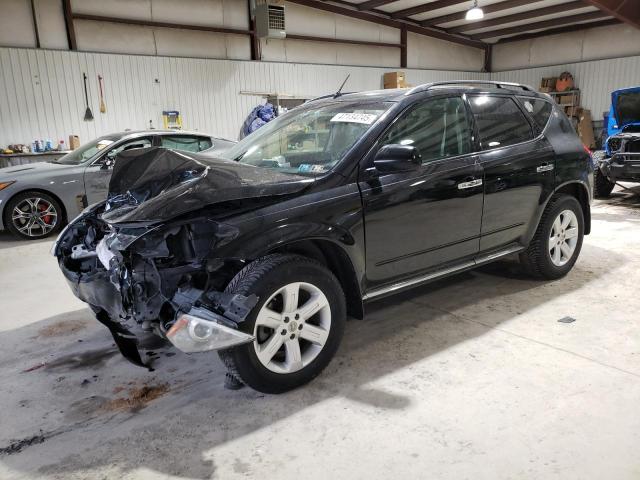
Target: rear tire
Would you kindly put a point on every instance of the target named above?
(298, 322)
(33, 215)
(557, 242)
(602, 186)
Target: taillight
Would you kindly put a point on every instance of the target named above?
(586, 149)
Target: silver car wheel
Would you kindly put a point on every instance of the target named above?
(563, 238)
(34, 217)
(292, 327)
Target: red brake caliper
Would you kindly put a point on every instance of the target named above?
(46, 218)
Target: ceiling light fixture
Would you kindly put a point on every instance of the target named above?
(475, 12)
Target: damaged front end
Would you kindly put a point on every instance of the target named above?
(147, 284)
(152, 283)
(145, 261)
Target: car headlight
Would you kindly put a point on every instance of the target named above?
(614, 144)
(4, 185)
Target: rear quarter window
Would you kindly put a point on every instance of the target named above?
(186, 143)
(540, 110)
(500, 121)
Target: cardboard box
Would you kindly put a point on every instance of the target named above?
(568, 99)
(548, 84)
(394, 80)
(585, 129)
(572, 110)
(74, 142)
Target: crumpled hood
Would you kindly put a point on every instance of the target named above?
(156, 184)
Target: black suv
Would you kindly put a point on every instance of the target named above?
(261, 255)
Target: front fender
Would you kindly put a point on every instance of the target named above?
(331, 218)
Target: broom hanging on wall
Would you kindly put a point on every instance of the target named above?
(88, 114)
(103, 106)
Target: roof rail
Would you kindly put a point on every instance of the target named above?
(427, 86)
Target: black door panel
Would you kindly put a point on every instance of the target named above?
(518, 169)
(419, 221)
(518, 179)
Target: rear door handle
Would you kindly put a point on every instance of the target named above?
(545, 167)
(470, 184)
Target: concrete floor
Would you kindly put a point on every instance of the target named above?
(472, 377)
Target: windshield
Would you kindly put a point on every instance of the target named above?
(309, 140)
(88, 150)
(628, 108)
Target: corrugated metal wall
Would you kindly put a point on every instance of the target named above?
(596, 79)
(41, 92)
(42, 96)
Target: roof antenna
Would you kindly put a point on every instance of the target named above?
(339, 92)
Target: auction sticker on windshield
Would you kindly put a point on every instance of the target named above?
(366, 118)
(103, 144)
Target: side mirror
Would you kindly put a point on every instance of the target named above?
(397, 158)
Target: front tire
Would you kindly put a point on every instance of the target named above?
(298, 322)
(557, 242)
(33, 215)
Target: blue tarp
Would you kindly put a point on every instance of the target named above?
(259, 116)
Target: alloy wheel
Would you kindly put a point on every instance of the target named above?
(292, 327)
(34, 217)
(563, 238)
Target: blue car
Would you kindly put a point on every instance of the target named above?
(621, 161)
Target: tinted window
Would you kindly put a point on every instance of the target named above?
(539, 110)
(438, 128)
(500, 121)
(186, 143)
(143, 142)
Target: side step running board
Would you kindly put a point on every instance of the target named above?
(412, 282)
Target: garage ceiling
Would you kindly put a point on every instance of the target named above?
(504, 20)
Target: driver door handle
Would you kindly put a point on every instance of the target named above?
(545, 167)
(471, 184)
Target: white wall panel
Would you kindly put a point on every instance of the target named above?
(16, 25)
(135, 9)
(41, 91)
(51, 28)
(113, 37)
(426, 52)
(596, 79)
(593, 44)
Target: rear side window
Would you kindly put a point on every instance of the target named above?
(539, 110)
(500, 122)
(186, 143)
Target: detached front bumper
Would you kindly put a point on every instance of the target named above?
(622, 167)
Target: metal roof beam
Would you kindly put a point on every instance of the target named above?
(627, 11)
(390, 22)
(556, 22)
(426, 7)
(371, 4)
(494, 7)
(556, 31)
(516, 17)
